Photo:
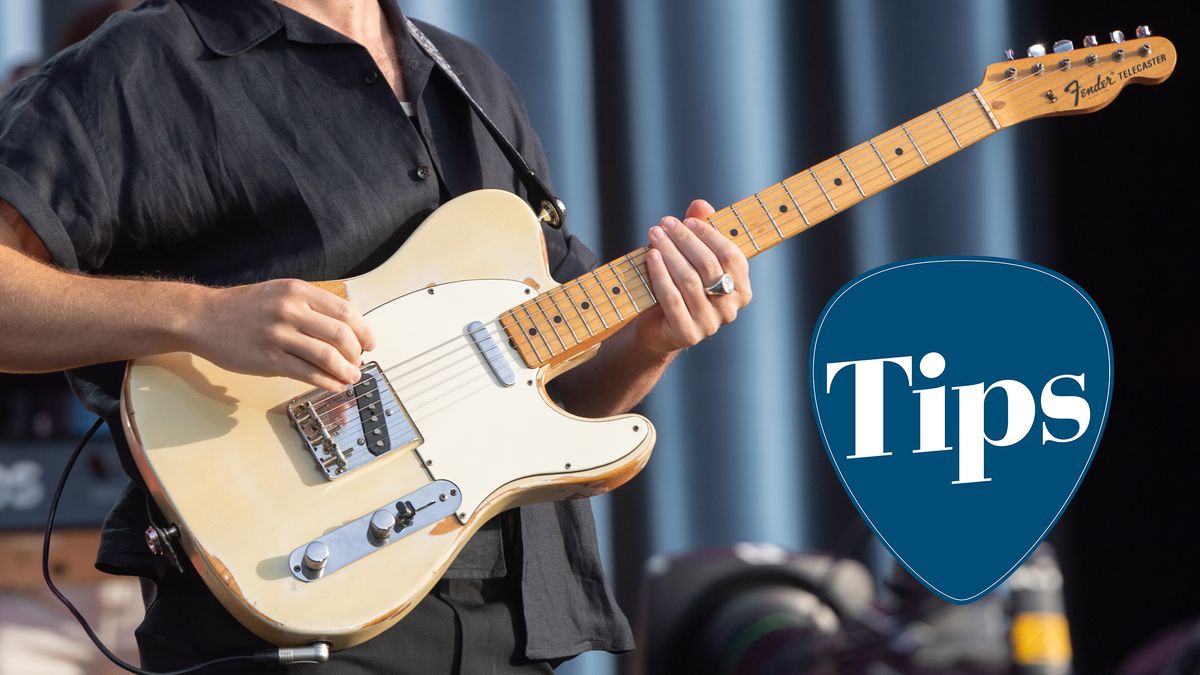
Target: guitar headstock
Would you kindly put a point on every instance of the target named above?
(1074, 81)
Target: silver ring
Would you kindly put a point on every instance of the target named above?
(722, 286)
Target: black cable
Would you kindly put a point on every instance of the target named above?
(269, 655)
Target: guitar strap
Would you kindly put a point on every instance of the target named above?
(549, 208)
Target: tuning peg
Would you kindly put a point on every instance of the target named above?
(1116, 36)
(1008, 54)
(1143, 31)
(1063, 46)
(1089, 41)
(1036, 50)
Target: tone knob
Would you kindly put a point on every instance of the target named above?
(316, 555)
(1035, 50)
(1143, 31)
(1116, 36)
(382, 523)
(1090, 41)
(1063, 46)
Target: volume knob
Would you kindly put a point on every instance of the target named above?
(316, 555)
(382, 523)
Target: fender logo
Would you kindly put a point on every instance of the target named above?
(1105, 81)
(1101, 83)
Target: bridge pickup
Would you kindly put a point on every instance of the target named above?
(491, 353)
(350, 429)
(371, 416)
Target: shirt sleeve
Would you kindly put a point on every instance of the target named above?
(50, 174)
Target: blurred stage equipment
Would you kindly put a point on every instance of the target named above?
(28, 472)
(756, 609)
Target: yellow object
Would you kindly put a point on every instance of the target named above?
(1041, 638)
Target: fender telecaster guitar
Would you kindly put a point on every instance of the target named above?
(326, 517)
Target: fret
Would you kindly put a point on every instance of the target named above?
(769, 216)
(914, 144)
(733, 209)
(796, 203)
(942, 117)
(827, 197)
(521, 330)
(637, 268)
(621, 280)
(581, 317)
(536, 331)
(530, 332)
(589, 301)
(883, 161)
(604, 290)
(986, 108)
(559, 315)
(537, 302)
(851, 174)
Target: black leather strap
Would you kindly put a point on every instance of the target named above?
(549, 208)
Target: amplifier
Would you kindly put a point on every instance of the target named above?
(29, 471)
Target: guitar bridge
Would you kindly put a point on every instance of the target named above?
(349, 429)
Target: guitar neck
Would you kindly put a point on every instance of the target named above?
(584, 311)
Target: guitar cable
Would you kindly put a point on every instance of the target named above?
(316, 653)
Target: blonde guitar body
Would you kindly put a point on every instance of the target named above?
(229, 469)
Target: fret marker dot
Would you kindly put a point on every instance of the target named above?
(585, 305)
(616, 291)
(533, 331)
(837, 181)
(899, 151)
(733, 232)
(783, 208)
(558, 319)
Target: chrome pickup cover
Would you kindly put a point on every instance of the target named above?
(346, 430)
(492, 354)
(414, 511)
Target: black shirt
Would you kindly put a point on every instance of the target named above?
(235, 141)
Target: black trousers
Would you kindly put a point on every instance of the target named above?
(463, 627)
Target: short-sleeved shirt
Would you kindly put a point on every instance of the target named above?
(236, 141)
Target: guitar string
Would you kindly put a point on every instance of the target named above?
(965, 101)
(558, 336)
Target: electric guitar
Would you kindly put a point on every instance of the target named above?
(326, 517)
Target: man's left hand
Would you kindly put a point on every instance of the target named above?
(686, 257)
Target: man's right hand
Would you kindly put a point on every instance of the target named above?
(283, 327)
(53, 320)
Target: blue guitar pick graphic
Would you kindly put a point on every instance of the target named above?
(962, 499)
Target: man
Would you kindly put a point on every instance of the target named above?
(194, 159)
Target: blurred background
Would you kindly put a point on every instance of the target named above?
(643, 106)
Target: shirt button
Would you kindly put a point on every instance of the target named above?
(371, 76)
(424, 172)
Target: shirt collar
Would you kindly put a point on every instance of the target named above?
(232, 27)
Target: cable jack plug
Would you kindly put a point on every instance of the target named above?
(317, 652)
